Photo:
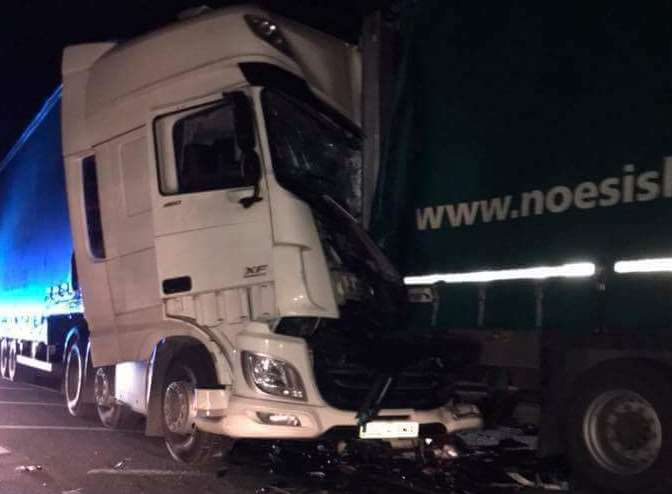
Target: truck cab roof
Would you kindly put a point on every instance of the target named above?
(110, 87)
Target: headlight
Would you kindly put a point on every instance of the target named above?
(273, 376)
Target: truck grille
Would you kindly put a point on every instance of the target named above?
(346, 388)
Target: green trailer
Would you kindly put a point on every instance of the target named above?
(526, 192)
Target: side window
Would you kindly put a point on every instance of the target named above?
(198, 149)
(94, 223)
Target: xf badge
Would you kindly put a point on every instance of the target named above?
(252, 271)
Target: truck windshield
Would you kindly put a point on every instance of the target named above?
(313, 155)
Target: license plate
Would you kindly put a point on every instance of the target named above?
(389, 429)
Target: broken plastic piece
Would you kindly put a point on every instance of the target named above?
(446, 452)
(538, 483)
(122, 464)
(521, 480)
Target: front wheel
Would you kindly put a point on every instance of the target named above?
(184, 441)
(620, 429)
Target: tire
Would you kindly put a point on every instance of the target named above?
(74, 381)
(619, 429)
(197, 447)
(4, 357)
(112, 414)
(11, 360)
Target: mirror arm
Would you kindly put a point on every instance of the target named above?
(247, 202)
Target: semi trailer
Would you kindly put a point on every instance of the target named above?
(180, 238)
(526, 195)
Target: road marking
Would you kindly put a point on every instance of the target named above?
(62, 428)
(34, 403)
(4, 451)
(28, 387)
(149, 472)
(44, 388)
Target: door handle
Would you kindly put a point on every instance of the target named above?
(176, 285)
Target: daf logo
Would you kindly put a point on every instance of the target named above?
(252, 271)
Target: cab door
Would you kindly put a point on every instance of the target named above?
(212, 226)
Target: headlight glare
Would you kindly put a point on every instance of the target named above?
(273, 376)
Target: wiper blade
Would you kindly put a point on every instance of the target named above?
(374, 399)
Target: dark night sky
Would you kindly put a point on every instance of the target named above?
(521, 40)
(34, 32)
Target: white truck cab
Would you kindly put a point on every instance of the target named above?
(213, 173)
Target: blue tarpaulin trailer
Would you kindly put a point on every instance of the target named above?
(37, 295)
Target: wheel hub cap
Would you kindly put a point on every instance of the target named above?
(623, 432)
(102, 389)
(178, 407)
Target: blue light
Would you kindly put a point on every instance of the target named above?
(48, 105)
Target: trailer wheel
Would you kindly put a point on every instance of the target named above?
(184, 441)
(74, 381)
(112, 414)
(4, 357)
(11, 360)
(620, 430)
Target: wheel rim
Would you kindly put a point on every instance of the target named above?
(179, 445)
(102, 389)
(73, 377)
(176, 407)
(11, 362)
(108, 410)
(623, 432)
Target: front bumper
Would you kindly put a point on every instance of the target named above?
(219, 412)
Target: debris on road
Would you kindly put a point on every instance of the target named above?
(122, 464)
(272, 490)
(149, 472)
(539, 483)
(520, 479)
(29, 468)
(490, 462)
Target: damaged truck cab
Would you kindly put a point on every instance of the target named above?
(213, 173)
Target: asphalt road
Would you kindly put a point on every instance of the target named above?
(74, 454)
(45, 450)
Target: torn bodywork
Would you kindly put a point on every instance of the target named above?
(367, 360)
